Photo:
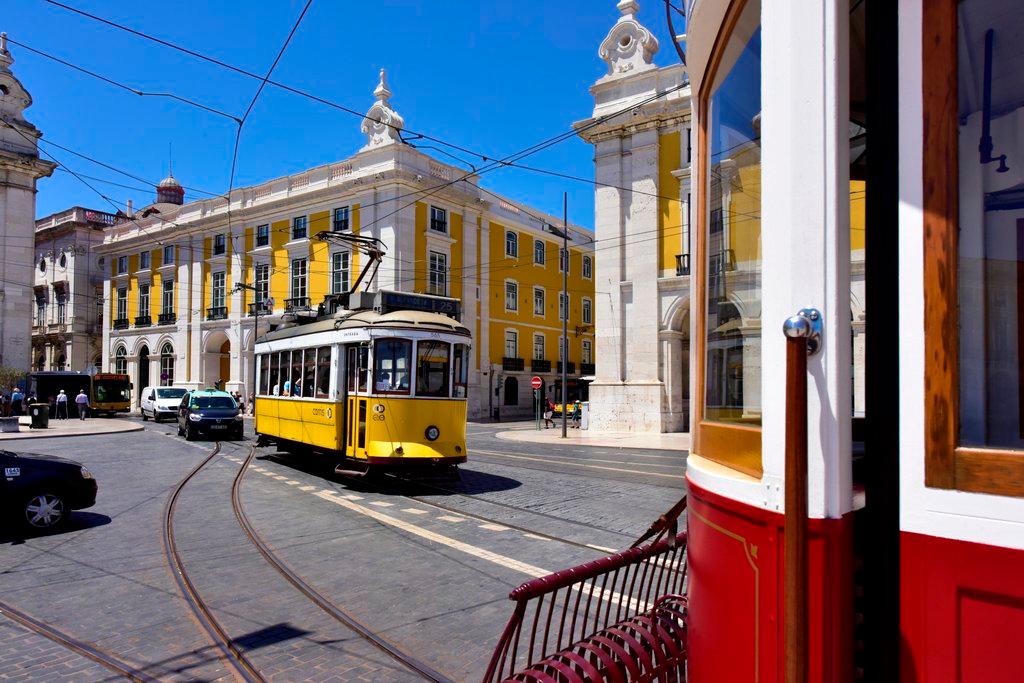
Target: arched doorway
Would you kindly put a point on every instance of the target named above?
(216, 361)
(61, 363)
(143, 380)
(511, 391)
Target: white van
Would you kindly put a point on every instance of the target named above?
(160, 402)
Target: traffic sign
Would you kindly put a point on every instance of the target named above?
(536, 382)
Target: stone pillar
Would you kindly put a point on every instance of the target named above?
(192, 311)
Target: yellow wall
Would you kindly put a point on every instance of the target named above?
(319, 267)
(858, 199)
(455, 263)
(669, 207)
(744, 215)
(133, 287)
(353, 263)
(280, 266)
(207, 276)
(420, 246)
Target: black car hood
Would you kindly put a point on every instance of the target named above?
(54, 459)
(212, 413)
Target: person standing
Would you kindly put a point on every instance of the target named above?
(549, 414)
(17, 402)
(62, 405)
(82, 403)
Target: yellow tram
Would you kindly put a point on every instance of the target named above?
(373, 387)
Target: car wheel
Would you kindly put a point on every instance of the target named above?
(45, 511)
(180, 433)
(190, 434)
(144, 417)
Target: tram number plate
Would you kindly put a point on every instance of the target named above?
(218, 426)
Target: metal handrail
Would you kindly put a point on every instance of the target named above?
(217, 313)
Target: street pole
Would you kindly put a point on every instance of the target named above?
(565, 318)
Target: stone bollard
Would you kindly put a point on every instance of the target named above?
(8, 424)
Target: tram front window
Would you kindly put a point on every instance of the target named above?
(392, 360)
(432, 366)
(461, 370)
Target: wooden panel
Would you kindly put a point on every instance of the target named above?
(984, 470)
(735, 446)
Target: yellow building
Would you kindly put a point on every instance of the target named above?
(175, 316)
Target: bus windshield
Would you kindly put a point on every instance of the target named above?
(106, 391)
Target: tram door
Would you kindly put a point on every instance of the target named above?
(357, 372)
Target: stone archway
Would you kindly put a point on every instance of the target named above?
(675, 367)
(216, 361)
(142, 380)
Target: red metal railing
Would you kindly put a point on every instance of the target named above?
(618, 618)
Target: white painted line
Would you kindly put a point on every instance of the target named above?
(280, 477)
(414, 511)
(603, 549)
(536, 537)
(480, 553)
(579, 464)
(494, 527)
(307, 488)
(261, 470)
(266, 473)
(449, 518)
(349, 496)
(382, 504)
(291, 482)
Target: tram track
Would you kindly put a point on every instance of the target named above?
(227, 650)
(321, 601)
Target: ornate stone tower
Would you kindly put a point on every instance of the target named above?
(20, 168)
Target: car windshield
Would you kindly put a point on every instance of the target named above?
(220, 402)
(170, 393)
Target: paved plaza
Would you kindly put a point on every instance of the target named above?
(426, 565)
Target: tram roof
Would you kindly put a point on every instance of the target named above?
(345, 320)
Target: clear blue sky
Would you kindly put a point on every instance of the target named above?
(492, 76)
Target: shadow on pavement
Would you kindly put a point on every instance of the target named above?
(79, 521)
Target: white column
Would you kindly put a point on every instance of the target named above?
(806, 233)
(193, 311)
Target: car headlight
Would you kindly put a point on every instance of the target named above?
(195, 417)
(432, 433)
(86, 474)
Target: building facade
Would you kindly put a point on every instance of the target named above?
(20, 168)
(175, 316)
(643, 221)
(68, 294)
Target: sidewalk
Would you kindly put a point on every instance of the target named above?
(71, 427)
(528, 432)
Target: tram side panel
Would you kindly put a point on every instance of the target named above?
(315, 423)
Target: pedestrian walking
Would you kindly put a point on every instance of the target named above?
(82, 403)
(577, 413)
(62, 405)
(17, 402)
(252, 404)
(549, 414)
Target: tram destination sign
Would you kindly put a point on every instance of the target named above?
(406, 301)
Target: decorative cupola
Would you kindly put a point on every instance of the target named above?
(169, 190)
(14, 99)
(382, 124)
(629, 47)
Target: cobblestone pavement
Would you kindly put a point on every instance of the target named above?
(433, 580)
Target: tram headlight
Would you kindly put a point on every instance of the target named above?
(432, 433)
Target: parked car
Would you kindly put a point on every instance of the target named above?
(160, 402)
(209, 413)
(40, 491)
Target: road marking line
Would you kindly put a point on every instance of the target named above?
(307, 488)
(261, 470)
(382, 504)
(579, 464)
(475, 551)
(494, 527)
(535, 537)
(291, 482)
(414, 511)
(602, 548)
(449, 518)
(280, 477)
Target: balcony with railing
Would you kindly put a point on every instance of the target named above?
(570, 368)
(512, 364)
(299, 303)
(682, 264)
(539, 365)
(217, 313)
(121, 323)
(166, 319)
(260, 308)
(143, 320)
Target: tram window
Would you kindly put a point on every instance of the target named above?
(432, 366)
(323, 372)
(309, 376)
(293, 383)
(392, 358)
(461, 370)
(358, 366)
(264, 373)
(274, 381)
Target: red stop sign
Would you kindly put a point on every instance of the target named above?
(536, 382)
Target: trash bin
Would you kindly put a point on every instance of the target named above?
(40, 413)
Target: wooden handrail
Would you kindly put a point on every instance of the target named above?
(795, 566)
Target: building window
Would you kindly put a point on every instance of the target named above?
(121, 361)
(563, 306)
(62, 362)
(262, 282)
(540, 253)
(300, 227)
(438, 220)
(166, 365)
(42, 264)
(298, 278)
(144, 259)
(262, 235)
(220, 244)
(339, 272)
(40, 364)
(538, 301)
(438, 282)
(563, 261)
(122, 303)
(40, 310)
(339, 223)
(511, 244)
(588, 311)
(538, 347)
(588, 352)
(143, 301)
(167, 297)
(63, 262)
(511, 296)
(169, 254)
(62, 307)
(217, 297)
(588, 267)
(511, 344)
(122, 265)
